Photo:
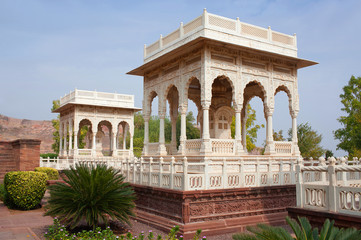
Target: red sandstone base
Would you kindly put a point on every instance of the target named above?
(317, 218)
(214, 211)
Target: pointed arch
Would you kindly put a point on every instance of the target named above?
(284, 88)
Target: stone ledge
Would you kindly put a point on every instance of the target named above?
(317, 218)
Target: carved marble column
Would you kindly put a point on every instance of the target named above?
(206, 141)
(76, 140)
(60, 139)
(162, 149)
(114, 144)
(238, 137)
(244, 129)
(131, 145)
(146, 134)
(183, 132)
(125, 133)
(270, 146)
(94, 145)
(295, 150)
(174, 134)
(70, 132)
(65, 140)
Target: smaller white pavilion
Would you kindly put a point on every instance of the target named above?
(101, 115)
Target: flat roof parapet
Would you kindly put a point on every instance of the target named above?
(94, 98)
(220, 28)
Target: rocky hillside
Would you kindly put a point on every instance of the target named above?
(13, 128)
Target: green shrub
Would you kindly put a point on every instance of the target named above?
(91, 193)
(52, 173)
(302, 231)
(2, 192)
(49, 155)
(58, 231)
(25, 189)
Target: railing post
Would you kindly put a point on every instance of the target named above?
(292, 172)
(343, 173)
(332, 178)
(238, 25)
(185, 174)
(150, 171)
(299, 184)
(257, 174)
(322, 161)
(141, 170)
(160, 171)
(269, 34)
(206, 177)
(134, 167)
(181, 30)
(128, 166)
(281, 180)
(160, 41)
(171, 173)
(242, 179)
(224, 174)
(205, 18)
(269, 173)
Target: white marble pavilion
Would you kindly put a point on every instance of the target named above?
(96, 109)
(220, 64)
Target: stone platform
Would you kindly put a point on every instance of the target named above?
(214, 211)
(317, 217)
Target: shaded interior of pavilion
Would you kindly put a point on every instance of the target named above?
(218, 129)
(100, 140)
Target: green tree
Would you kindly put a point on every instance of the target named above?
(278, 136)
(350, 135)
(328, 154)
(308, 141)
(55, 122)
(251, 126)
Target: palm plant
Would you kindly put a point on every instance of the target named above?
(302, 231)
(93, 194)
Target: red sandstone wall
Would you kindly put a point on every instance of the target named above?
(21, 154)
(214, 211)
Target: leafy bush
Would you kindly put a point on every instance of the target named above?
(24, 189)
(302, 231)
(52, 173)
(91, 193)
(58, 231)
(49, 155)
(2, 192)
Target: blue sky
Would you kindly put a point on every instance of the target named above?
(48, 48)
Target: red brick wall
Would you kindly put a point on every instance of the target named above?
(21, 154)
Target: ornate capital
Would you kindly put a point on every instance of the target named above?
(146, 117)
(269, 111)
(294, 114)
(206, 105)
(183, 108)
(238, 108)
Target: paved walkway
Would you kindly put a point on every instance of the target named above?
(25, 225)
(16, 224)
